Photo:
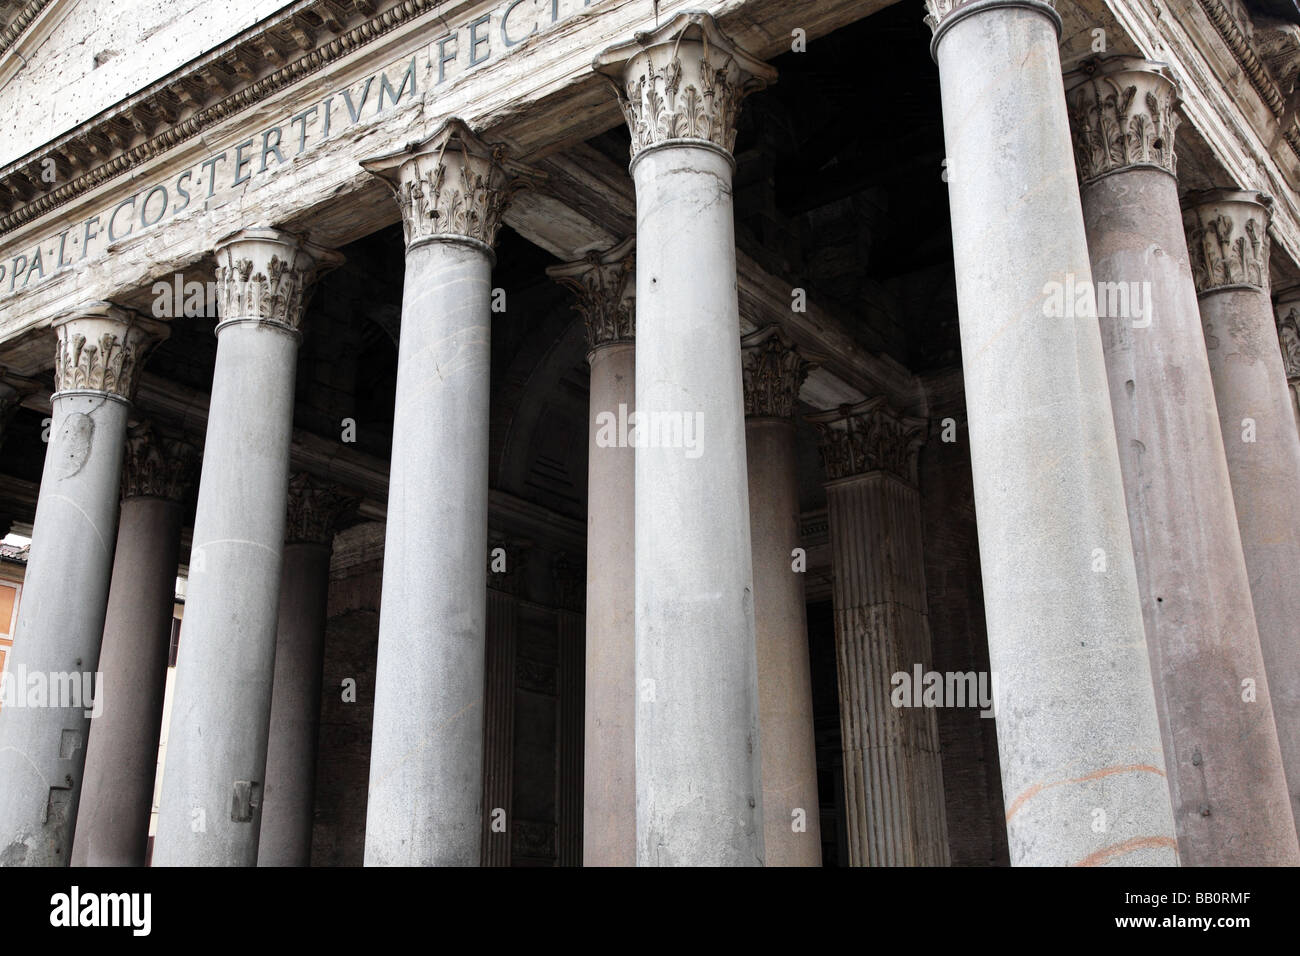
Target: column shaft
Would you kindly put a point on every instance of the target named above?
(698, 781)
(426, 759)
(609, 767)
(122, 755)
(1077, 726)
(426, 762)
(1225, 770)
(295, 706)
(214, 780)
(50, 686)
(791, 815)
(1228, 240)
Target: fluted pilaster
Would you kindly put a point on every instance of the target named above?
(892, 773)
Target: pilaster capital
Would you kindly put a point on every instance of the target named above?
(774, 371)
(451, 185)
(314, 510)
(102, 347)
(1288, 331)
(1122, 116)
(682, 83)
(940, 15)
(866, 437)
(158, 466)
(604, 287)
(1227, 239)
(264, 277)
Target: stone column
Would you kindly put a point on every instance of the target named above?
(1225, 769)
(122, 753)
(1227, 235)
(315, 508)
(214, 781)
(426, 761)
(604, 286)
(1077, 726)
(100, 351)
(773, 373)
(699, 788)
(893, 779)
(1287, 305)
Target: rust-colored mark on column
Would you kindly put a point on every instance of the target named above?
(1128, 846)
(1038, 788)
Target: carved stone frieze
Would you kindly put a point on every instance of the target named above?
(1227, 239)
(1122, 116)
(315, 509)
(774, 371)
(682, 81)
(158, 466)
(101, 348)
(604, 289)
(866, 437)
(265, 275)
(451, 185)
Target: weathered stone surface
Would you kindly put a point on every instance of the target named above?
(122, 753)
(773, 372)
(1227, 235)
(1225, 771)
(1072, 735)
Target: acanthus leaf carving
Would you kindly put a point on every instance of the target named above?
(774, 371)
(604, 292)
(866, 437)
(158, 466)
(682, 81)
(265, 276)
(1122, 115)
(102, 347)
(1227, 239)
(452, 184)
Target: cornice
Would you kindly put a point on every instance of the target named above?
(1229, 30)
(234, 76)
(19, 24)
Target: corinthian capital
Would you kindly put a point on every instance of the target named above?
(264, 276)
(315, 509)
(451, 185)
(774, 372)
(867, 437)
(1227, 238)
(1122, 116)
(1288, 332)
(102, 347)
(157, 466)
(604, 292)
(682, 82)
